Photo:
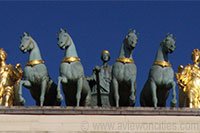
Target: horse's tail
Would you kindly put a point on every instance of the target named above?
(86, 87)
(51, 95)
(16, 95)
(145, 95)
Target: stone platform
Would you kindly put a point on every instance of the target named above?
(94, 119)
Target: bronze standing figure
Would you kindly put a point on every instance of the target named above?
(100, 82)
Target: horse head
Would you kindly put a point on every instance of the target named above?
(64, 39)
(131, 39)
(26, 43)
(168, 44)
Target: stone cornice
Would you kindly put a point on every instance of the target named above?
(136, 111)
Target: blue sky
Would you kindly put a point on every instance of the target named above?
(95, 26)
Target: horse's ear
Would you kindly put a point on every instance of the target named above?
(61, 30)
(65, 30)
(175, 39)
(130, 30)
(57, 33)
(134, 31)
(26, 34)
(167, 34)
(137, 34)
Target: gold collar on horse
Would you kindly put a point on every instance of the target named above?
(125, 60)
(162, 63)
(34, 62)
(70, 59)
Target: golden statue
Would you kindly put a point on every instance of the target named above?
(188, 79)
(9, 81)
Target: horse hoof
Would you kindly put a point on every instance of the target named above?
(59, 98)
(117, 104)
(155, 105)
(22, 101)
(173, 103)
(131, 102)
(41, 103)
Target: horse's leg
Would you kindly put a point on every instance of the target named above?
(173, 101)
(142, 101)
(87, 100)
(153, 91)
(79, 89)
(86, 86)
(132, 96)
(116, 91)
(26, 84)
(43, 91)
(59, 95)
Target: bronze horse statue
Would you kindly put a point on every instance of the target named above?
(36, 77)
(124, 73)
(161, 77)
(75, 86)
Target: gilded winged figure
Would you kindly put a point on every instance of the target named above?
(188, 79)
